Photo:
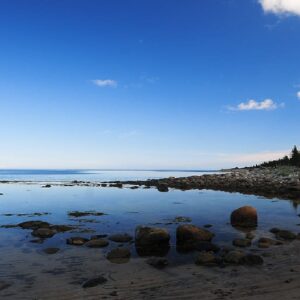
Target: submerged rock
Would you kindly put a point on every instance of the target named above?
(43, 233)
(234, 257)
(252, 260)
(96, 243)
(245, 216)
(119, 255)
(120, 238)
(76, 241)
(206, 258)
(34, 224)
(158, 263)
(264, 242)
(51, 250)
(285, 235)
(78, 214)
(94, 282)
(180, 219)
(241, 242)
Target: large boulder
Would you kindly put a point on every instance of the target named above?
(152, 241)
(145, 236)
(191, 234)
(245, 216)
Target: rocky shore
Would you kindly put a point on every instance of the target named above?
(281, 182)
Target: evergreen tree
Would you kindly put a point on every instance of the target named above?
(295, 157)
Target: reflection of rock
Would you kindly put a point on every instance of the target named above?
(43, 232)
(206, 258)
(120, 238)
(94, 282)
(199, 246)
(245, 216)
(241, 242)
(190, 237)
(162, 188)
(96, 243)
(76, 241)
(51, 250)
(119, 255)
(156, 262)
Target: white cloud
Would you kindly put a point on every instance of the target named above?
(281, 7)
(105, 82)
(298, 95)
(267, 104)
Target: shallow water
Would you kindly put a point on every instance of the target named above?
(124, 210)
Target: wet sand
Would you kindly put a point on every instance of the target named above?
(61, 275)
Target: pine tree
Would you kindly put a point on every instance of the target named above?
(295, 157)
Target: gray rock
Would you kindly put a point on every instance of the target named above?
(119, 255)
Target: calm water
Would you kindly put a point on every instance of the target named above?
(125, 209)
(93, 175)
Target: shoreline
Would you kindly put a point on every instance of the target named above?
(281, 182)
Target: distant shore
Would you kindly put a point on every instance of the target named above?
(280, 182)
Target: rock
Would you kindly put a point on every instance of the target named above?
(134, 187)
(158, 263)
(206, 258)
(51, 250)
(264, 242)
(207, 226)
(34, 224)
(98, 236)
(1, 194)
(61, 228)
(241, 242)
(119, 255)
(46, 186)
(234, 257)
(94, 282)
(78, 214)
(96, 243)
(152, 241)
(245, 216)
(120, 238)
(151, 236)
(274, 230)
(285, 235)
(191, 234)
(76, 241)
(4, 285)
(37, 241)
(43, 233)
(162, 188)
(251, 260)
(182, 220)
(250, 236)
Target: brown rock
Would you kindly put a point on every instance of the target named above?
(96, 243)
(245, 216)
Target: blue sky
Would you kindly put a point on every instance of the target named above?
(148, 84)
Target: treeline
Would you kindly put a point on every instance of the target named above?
(292, 160)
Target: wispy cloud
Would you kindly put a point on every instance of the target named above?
(104, 82)
(267, 104)
(281, 7)
(128, 134)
